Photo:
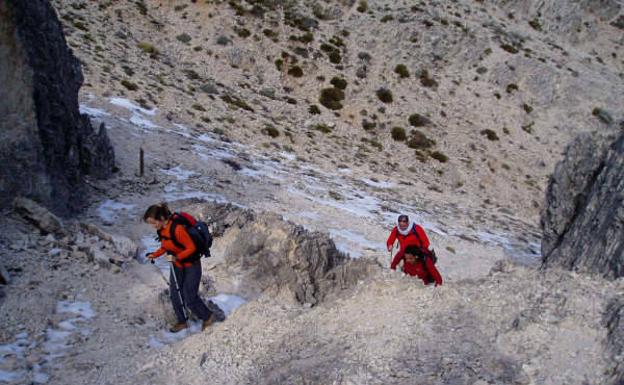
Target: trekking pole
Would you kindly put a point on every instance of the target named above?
(391, 250)
(175, 280)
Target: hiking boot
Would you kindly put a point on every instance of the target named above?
(208, 322)
(177, 327)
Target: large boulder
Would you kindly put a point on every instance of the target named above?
(583, 218)
(265, 252)
(46, 145)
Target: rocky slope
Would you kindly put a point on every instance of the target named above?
(203, 88)
(463, 98)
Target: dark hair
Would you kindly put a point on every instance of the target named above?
(413, 250)
(403, 217)
(159, 212)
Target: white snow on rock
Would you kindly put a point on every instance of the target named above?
(127, 104)
(175, 191)
(109, 211)
(227, 302)
(57, 343)
(179, 173)
(352, 243)
(91, 111)
(142, 122)
(379, 184)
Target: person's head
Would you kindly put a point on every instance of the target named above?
(403, 221)
(157, 215)
(410, 254)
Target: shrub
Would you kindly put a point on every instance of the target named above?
(386, 18)
(368, 125)
(481, 70)
(331, 98)
(418, 140)
(603, 115)
(314, 109)
(324, 128)
(271, 34)
(398, 134)
(307, 37)
(509, 48)
(279, 63)
(535, 24)
(511, 88)
(198, 107)
(270, 131)
(149, 49)
(440, 157)
(402, 71)
(335, 57)
(129, 85)
(236, 102)
(490, 134)
(426, 80)
(385, 95)
(184, 38)
(362, 6)
(338, 82)
(528, 109)
(295, 71)
(191, 74)
(418, 120)
(242, 32)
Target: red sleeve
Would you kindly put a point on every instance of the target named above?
(392, 237)
(435, 274)
(424, 241)
(397, 258)
(185, 240)
(161, 250)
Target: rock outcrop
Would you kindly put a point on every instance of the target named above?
(266, 252)
(47, 146)
(583, 219)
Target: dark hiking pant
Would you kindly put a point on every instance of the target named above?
(188, 282)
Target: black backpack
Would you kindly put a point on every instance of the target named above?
(423, 252)
(197, 230)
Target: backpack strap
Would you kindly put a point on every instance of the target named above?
(176, 219)
(420, 243)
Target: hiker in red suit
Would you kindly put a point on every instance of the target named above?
(413, 236)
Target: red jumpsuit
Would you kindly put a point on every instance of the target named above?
(426, 271)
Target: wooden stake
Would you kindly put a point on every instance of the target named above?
(141, 163)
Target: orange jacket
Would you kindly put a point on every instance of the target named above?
(167, 245)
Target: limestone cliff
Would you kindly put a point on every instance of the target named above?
(46, 147)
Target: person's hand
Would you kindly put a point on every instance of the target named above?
(170, 258)
(390, 247)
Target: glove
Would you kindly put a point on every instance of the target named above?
(151, 258)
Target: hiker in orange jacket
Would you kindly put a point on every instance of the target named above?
(411, 234)
(186, 266)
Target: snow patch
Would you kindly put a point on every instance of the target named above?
(110, 210)
(179, 173)
(352, 243)
(127, 104)
(174, 192)
(142, 122)
(94, 112)
(379, 184)
(227, 302)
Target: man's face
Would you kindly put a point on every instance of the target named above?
(403, 222)
(410, 258)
